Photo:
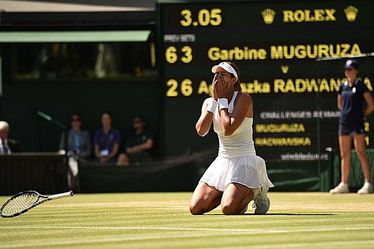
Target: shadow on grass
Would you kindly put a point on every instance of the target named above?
(296, 214)
(283, 214)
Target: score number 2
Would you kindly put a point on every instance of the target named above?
(185, 88)
(205, 17)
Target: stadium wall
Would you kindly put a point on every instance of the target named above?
(20, 101)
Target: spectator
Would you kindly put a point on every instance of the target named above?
(139, 145)
(107, 141)
(78, 145)
(78, 140)
(7, 146)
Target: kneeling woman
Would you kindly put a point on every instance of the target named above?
(237, 176)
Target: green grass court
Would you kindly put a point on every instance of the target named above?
(161, 220)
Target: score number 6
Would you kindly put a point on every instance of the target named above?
(185, 88)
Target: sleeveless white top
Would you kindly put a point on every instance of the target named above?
(238, 144)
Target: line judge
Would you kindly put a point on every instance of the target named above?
(355, 103)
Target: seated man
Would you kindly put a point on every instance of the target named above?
(107, 141)
(7, 146)
(139, 145)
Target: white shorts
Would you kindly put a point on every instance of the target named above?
(249, 171)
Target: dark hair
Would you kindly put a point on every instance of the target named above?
(76, 115)
(107, 113)
(141, 117)
(237, 86)
(142, 120)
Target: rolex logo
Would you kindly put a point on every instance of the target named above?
(268, 15)
(351, 13)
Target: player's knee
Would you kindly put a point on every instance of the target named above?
(229, 208)
(196, 209)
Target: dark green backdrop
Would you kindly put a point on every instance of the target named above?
(123, 99)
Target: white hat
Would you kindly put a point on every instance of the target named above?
(227, 67)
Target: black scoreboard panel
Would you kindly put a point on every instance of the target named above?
(276, 45)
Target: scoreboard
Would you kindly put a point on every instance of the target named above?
(277, 46)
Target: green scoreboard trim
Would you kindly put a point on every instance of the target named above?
(73, 36)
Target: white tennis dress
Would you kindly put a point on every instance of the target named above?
(237, 161)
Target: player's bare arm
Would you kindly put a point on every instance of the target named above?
(370, 104)
(205, 121)
(242, 108)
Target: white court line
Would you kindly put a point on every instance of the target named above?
(97, 240)
(343, 244)
(235, 230)
(132, 237)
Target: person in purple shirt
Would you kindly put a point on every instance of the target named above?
(107, 141)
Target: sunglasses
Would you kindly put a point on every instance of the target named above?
(75, 120)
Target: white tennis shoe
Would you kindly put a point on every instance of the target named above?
(262, 202)
(340, 189)
(366, 189)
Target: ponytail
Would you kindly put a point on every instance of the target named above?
(237, 86)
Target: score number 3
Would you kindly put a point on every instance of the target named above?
(205, 17)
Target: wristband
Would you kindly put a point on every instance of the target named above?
(212, 105)
(223, 103)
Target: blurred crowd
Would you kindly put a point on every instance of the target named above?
(105, 146)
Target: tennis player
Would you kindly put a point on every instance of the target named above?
(355, 103)
(237, 176)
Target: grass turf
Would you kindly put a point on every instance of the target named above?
(161, 220)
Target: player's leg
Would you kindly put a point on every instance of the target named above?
(204, 199)
(359, 142)
(345, 142)
(236, 198)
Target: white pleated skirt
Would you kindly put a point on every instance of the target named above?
(249, 171)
